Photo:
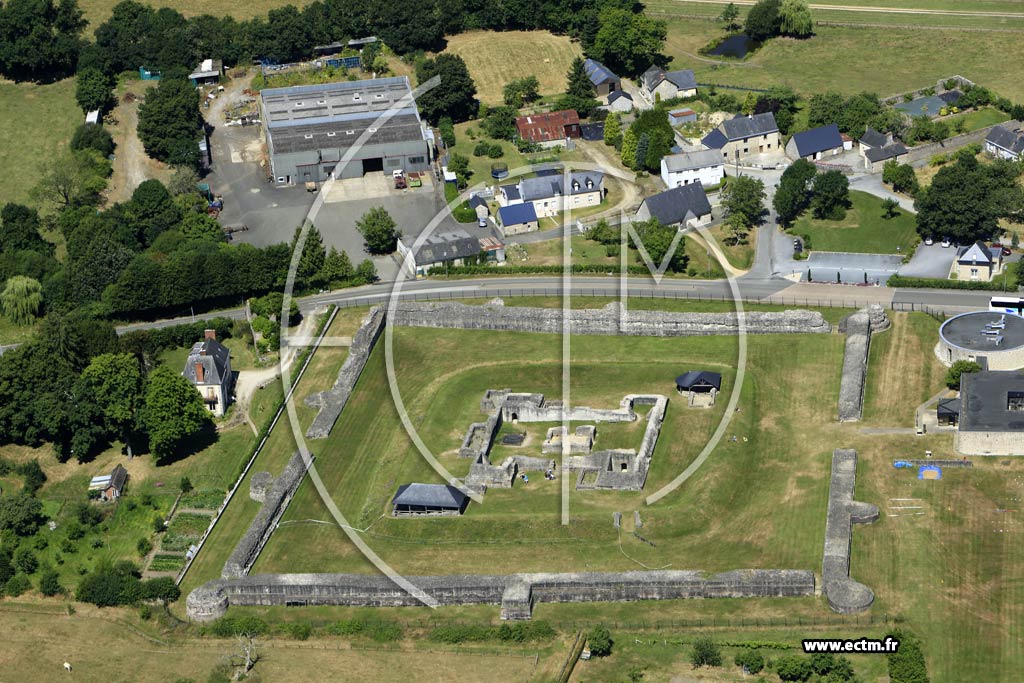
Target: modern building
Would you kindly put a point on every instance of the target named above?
(978, 262)
(554, 126)
(815, 144)
(745, 136)
(681, 205)
(1006, 140)
(428, 499)
(208, 367)
(604, 80)
(705, 166)
(448, 248)
(208, 71)
(347, 128)
(656, 84)
(516, 219)
(552, 193)
(991, 417)
(993, 340)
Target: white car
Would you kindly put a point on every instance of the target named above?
(928, 241)
(946, 243)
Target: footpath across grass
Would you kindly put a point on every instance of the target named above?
(864, 230)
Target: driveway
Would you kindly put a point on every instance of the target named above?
(872, 184)
(933, 261)
(832, 266)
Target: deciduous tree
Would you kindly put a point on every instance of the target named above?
(378, 230)
(454, 96)
(114, 382)
(174, 411)
(21, 299)
(744, 196)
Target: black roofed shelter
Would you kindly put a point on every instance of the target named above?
(700, 386)
(428, 499)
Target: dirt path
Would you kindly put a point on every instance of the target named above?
(882, 10)
(131, 165)
(631, 194)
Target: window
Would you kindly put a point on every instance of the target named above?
(350, 132)
(417, 160)
(308, 136)
(373, 130)
(745, 150)
(321, 101)
(356, 97)
(1015, 401)
(298, 104)
(379, 96)
(974, 273)
(332, 134)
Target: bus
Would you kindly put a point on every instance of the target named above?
(1007, 304)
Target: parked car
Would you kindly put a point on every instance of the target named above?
(481, 222)
(946, 243)
(798, 246)
(1006, 251)
(928, 241)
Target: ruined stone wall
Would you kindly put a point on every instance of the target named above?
(275, 503)
(844, 595)
(516, 593)
(480, 437)
(603, 321)
(332, 401)
(858, 327)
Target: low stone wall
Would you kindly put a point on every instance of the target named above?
(516, 593)
(859, 327)
(608, 320)
(332, 401)
(844, 595)
(275, 503)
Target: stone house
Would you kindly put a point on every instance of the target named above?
(700, 387)
(681, 205)
(451, 247)
(815, 144)
(428, 499)
(656, 84)
(516, 219)
(1006, 140)
(705, 166)
(877, 148)
(745, 136)
(620, 101)
(978, 262)
(208, 368)
(552, 193)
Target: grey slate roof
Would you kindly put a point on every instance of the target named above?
(683, 79)
(872, 138)
(692, 160)
(715, 140)
(749, 126)
(548, 186)
(890, 151)
(598, 72)
(816, 140)
(430, 495)
(447, 246)
(978, 252)
(699, 378)
(511, 192)
(679, 204)
(214, 358)
(983, 397)
(517, 214)
(118, 477)
(619, 95)
(1009, 136)
(948, 406)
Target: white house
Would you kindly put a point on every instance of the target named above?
(706, 166)
(1006, 140)
(620, 101)
(209, 368)
(549, 195)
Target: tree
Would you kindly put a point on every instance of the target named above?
(93, 90)
(185, 485)
(657, 240)
(521, 91)
(966, 199)
(113, 381)
(500, 122)
(628, 149)
(579, 91)
(92, 136)
(830, 195)
(953, 375)
(25, 560)
(454, 96)
(311, 262)
(170, 123)
(49, 582)
(39, 39)
(459, 165)
(907, 664)
(366, 272)
(378, 230)
(763, 20)
(889, 207)
(174, 411)
(20, 231)
(751, 661)
(21, 300)
(599, 639)
(744, 196)
(643, 143)
(72, 178)
(795, 19)
(32, 475)
(738, 228)
(613, 129)
(20, 513)
(337, 267)
(728, 18)
(705, 653)
(793, 668)
(824, 108)
(6, 565)
(627, 42)
(901, 177)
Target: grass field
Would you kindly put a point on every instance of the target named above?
(864, 230)
(980, 118)
(494, 59)
(38, 121)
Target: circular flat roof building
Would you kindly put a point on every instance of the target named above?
(995, 340)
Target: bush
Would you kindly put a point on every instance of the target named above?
(959, 368)
(228, 627)
(17, 585)
(996, 285)
(25, 560)
(793, 668)
(482, 149)
(144, 546)
(520, 632)
(49, 582)
(750, 661)
(705, 653)
(600, 641)
(495, 151)
(145, 612)
(299, 630)
(907, 665)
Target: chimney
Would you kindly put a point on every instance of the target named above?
(200, 374)
(210, 335)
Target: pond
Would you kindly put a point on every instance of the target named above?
(738, 45)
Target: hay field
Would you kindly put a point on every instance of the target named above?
(494, 59)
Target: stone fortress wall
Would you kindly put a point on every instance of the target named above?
(844, 595)
(858, 327)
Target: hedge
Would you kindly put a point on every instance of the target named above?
(154, 341)
(996, 285)
(524, 270)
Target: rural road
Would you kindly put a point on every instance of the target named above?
(878, 10)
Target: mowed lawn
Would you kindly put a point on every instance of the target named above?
(38, 121)
(862, 231)
(494, 59)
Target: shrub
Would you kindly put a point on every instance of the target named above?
(482, 149)
(495, 151)
(750, 661)
(145, 612)
(299, 630)
(705, 653)
(793, 668)
(600, 641)
(144, 546)
(25, 560)
(49, 582)
(953, 375)
(227, 627)
(17, 585)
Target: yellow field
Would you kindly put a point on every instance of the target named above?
(494, 59)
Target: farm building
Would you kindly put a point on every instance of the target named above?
(552, 193)
(620, 101)
(815, 144)
(208, 367)
(878, 148)
(208, 71)
(515, 219)
(991, 416)
(553, 126)
(110, 486)
(428, 499)
(993, 340)
(605, 82)
(745, 136)
(705, 166)
(677, 117)
(348, 128)
(978, 262)
(657, 84)
(1006, 140)
(448, 248)
(680, 205)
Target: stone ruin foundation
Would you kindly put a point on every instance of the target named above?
(858, 327)
(844, 595)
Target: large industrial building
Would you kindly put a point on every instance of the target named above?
(350, 128)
